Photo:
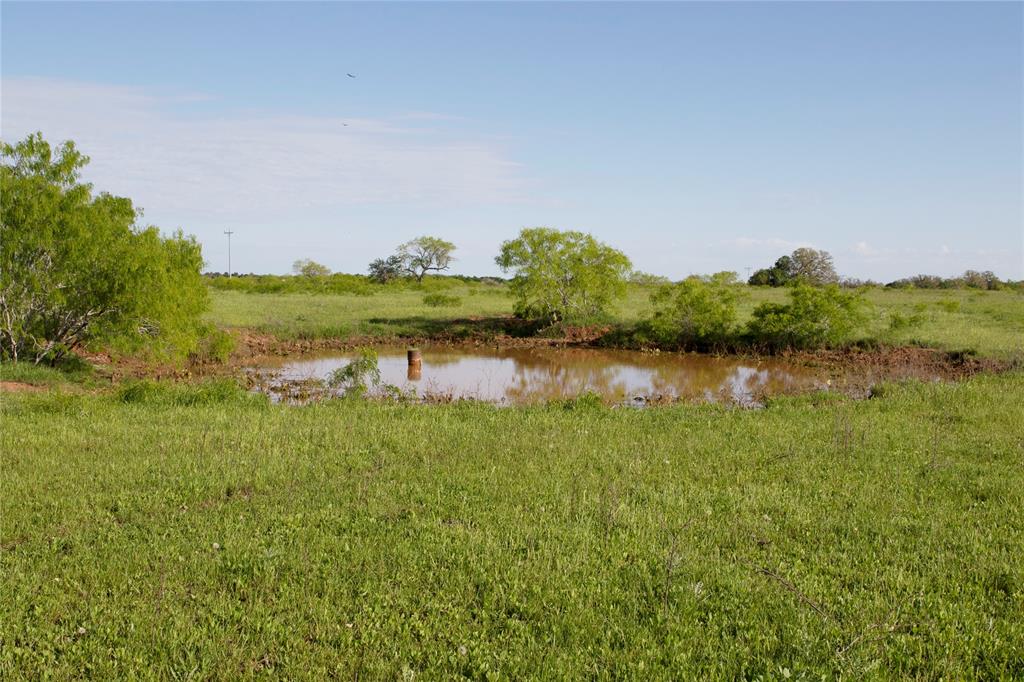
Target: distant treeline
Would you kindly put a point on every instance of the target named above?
(337, 283)
(971, 279)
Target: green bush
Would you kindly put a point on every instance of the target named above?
(358, 376)
(814, 318)
(216, 346)
(441, 300)
(697, 313)
(950, 306)
(898, 321)
(78, 267)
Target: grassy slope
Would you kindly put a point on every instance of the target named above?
(990, 322)
(371, 539)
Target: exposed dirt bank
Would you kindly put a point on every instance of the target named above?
(19, 387)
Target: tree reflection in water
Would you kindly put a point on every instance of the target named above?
(528, 375)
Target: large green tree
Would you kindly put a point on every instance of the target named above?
(75, 266)
(562, 274)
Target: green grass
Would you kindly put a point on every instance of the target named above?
(72, 372)
(400, 312)
(160, 536)
(991, 323)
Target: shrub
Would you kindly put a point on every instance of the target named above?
(216, 346)
(77, 267)
(356, 377)
(441, 300)
(384, 270)
(814, 318)
(949, 306)
(699, 312)
(898, 321)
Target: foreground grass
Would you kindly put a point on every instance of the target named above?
(197, 533)
(989, 322)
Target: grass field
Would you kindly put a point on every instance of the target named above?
(193, 531)
(198, 533)
(989, 322)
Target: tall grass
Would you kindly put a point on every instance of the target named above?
(224, 538)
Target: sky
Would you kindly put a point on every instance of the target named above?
(695, 137)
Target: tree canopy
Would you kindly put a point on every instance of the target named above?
(562, 274)
(806, 265)
(423, 254)
(310, 268)
(699, 312)
(383, 270)
(77, 266)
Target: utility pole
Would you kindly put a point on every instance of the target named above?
(229, 233)
(748, 272)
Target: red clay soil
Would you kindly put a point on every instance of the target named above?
(19, 387)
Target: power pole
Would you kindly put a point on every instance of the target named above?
(748, 272)
(229, 233)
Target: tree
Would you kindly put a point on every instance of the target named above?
(310, 268)
(813, 267)
(699, 312)
(780, 274)
(76, 267)
(814, 317)
(980, 280)
(805, 265)
(383, 270)
(423, 254)
(562, 275)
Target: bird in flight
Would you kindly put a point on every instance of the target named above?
(350, 75)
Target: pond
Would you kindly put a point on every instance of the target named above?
(532, 375)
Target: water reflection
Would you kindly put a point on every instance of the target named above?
(541, 374)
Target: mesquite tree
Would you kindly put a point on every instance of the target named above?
(75, 266)
(563, 275)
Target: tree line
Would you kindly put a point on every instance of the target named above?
(77, 266)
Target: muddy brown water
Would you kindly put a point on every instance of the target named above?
(532, 375)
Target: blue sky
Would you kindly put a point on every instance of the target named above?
(695, 137)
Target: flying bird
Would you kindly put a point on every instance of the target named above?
(350, 75)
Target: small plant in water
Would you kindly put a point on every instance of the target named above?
(356, 378)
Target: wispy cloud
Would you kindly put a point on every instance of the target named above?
(171, 152)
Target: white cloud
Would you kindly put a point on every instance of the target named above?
(174, 157)
(864, 249)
